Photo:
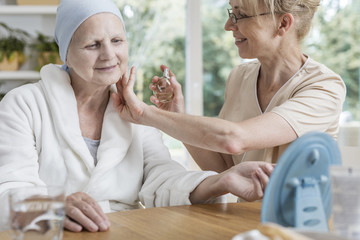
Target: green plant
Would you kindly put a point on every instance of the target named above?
(11, 41)
(48, 50)
(45, 44)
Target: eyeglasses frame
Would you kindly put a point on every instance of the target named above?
(235, 19)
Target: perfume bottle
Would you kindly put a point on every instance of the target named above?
(164, 91)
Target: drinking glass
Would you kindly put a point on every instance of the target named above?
(37, 213)
(345, 183)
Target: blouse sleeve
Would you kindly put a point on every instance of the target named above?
(315, 106)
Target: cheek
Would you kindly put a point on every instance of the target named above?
(259, 38)
(76, 59)
(122, 55)
(261, 31)
(80, 64)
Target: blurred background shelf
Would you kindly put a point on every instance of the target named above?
(27, 10)
(19, 75)
(33, 19)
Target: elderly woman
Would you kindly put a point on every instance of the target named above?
(269, 102)
(64, 130)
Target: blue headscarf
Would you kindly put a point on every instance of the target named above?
(72, 13)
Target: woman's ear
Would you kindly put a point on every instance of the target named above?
(286, 22)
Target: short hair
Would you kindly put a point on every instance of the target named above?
(302, 10)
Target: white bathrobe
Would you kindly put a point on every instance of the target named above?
(41, 144)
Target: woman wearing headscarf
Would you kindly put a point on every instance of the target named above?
(64, 130)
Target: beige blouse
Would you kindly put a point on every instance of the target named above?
(309, 101)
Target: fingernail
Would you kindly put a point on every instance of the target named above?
(269, 168)
(94, 228)
(103, 227)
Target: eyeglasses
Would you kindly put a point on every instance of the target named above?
(234, 18)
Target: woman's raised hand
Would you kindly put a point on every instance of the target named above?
(127, 104)
(177, 102)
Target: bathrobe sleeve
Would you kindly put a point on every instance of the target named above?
(166, 182)
(18, 152)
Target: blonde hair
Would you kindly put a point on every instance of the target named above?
(302, 10)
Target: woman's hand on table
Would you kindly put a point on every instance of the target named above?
(83, 212)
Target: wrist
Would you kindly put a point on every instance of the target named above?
(148, 117)
(212, 187)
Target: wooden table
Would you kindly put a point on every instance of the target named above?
(208, 221)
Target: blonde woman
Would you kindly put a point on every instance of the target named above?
(269, 102)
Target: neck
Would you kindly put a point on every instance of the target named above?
(94, 102)
(90, 96)
(281, 67)
(91, 105)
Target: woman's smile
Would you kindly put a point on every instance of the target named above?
(239, 41)
(106, 68)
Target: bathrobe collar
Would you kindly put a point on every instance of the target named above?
(116, 134)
